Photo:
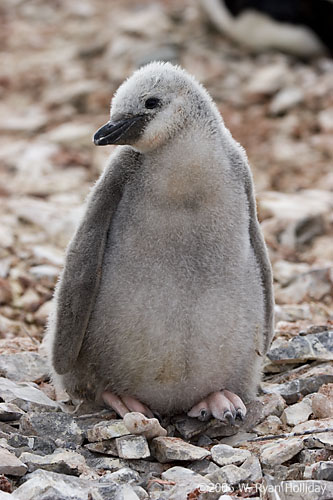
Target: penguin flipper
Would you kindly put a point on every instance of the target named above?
(78, 286)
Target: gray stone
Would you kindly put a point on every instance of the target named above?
(253, 468)
(132, 447)
(271, 425)
(238, 439)
(188, 482)
(309, 457)
(62, 461)
(42, 446)
(230, 474)
(9, 412)
(302, 348)
(146, 466)
(26, 396)
(293, 390)
(54, 425)
(284, 473)
(10, 464)
(107, 430)
(45, 485)
(23, 366)
(189, 427)
(203, 467)
(125, 475)
(107, 447)
(222, 454)
(323, 470)
(322, 440)
(280, 451)
(168, 449)
(297, 413)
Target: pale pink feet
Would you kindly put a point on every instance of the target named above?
(223, 405)
(125, 404)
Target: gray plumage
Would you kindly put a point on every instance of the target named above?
(166, 294)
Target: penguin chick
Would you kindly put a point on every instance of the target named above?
(165, 302)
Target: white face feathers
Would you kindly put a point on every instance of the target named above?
(153, 105)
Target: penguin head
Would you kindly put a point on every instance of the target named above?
(156, 103)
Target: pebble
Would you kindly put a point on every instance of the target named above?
(279, 452)
(9, 411)
(57, 426)
(62, 461)
(107, 430)
(303, 348)
(222, 454)
(137, 423)
(230, 474)
(322, 402)
(10, 464)
(132, 447)
(23, 366)
(26, 396)
(271, 425)
(297, 413)
(168, 449)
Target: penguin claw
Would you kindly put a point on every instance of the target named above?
(223, 405)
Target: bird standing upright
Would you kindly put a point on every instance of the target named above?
(165, 302)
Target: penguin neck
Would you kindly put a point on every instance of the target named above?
(183, 173)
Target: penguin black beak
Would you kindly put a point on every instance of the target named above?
(119, 132)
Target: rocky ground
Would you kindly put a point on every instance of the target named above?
(60, 63)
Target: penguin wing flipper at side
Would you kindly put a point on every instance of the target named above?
(78, 286)
(261, 255)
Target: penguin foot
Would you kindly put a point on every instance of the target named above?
(223, 405)
(125, 404)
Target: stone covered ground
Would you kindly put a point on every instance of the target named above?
(60, 63)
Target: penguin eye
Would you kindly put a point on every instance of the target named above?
(152, 103)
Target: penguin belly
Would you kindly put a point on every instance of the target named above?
(173, 320)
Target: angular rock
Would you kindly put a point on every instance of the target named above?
(23, 366)
(252, 467)
(168, 449)
(42, 446)
(223, 454)
(284, 473)
(9, 411)
(137, 423)
(107, 430)
(42, 484)
(11, 465)
(230, 474)
(55, 425)
(322, 440)
(302, 348)
(292, 391)
(281, 451)
(125, 475)
(107, 447)
(61, 461)
(188, 483)
(132, 447)
(203, 467)
(25, 396)
(322, 402)
(297, 413)
(271, 425)
(323, 470)
(309, 457)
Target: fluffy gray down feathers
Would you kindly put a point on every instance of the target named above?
(166, 294)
